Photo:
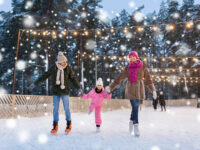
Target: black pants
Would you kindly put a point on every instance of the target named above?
(163, 107)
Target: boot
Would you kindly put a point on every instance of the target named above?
(136, 130)
(69, 127)
(131, 127)
(55, 128)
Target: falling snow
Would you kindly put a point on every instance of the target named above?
(29, 21)
(138, 16)
(21, 65)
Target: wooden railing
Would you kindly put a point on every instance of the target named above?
(37, 105)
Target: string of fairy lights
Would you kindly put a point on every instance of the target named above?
(145, 59)
(98, 32)
(170, 27)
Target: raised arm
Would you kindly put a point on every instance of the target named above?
(118, 80)
(45, 75)
(73, 79)
(87, 96)
(107, 96)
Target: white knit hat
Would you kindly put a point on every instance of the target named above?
(61, 57)
(99, 82)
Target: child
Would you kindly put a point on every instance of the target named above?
(98, 94)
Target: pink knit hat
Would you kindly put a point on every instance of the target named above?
(133, 53)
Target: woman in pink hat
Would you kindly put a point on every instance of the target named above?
(137, 75)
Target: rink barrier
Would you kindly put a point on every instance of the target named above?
(38, 105)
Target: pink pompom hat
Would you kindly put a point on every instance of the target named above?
(133, 53)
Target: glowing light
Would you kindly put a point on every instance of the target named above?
(189, 25)
(155, 28)
(98, 32)
(140, 29)
(125, 30)
(112, 30)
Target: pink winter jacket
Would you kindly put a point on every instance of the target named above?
(97, 98)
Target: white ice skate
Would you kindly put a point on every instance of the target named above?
(136, 130)
(131, 127)
(98, 129)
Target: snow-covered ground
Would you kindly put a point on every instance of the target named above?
(178, 128)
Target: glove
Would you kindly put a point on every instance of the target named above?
(154, 95)
(31, 87)
(108, 89)
(80, 93)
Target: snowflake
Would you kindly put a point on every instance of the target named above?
(28, 5)
(42, 138)
(103, 16)
(23, 136)
(90, 44)
(9, 70)
(117, 14)
(176, 15)
(129, 35)
(69, 10)
(131, 4)
(123, 47)
(168, 42)
(106, 65)
(1, 2)
(11, 123)
(33, 55)
(28, 21)
(138, 17)
(37, 24)
(21, 65)
(155, 148)
(3, 49)
(85, 80)
(83, 14)
(108, 79)
(82, 123)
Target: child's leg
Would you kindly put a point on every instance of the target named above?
(56, 102)
(65, 99)
(92, 107)
(98, 120)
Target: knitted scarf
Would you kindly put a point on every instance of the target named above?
(133, 67)
(60, 75)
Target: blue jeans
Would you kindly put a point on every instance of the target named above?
(134, 113)
(56, 102)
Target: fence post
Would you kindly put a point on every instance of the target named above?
(13, 106)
